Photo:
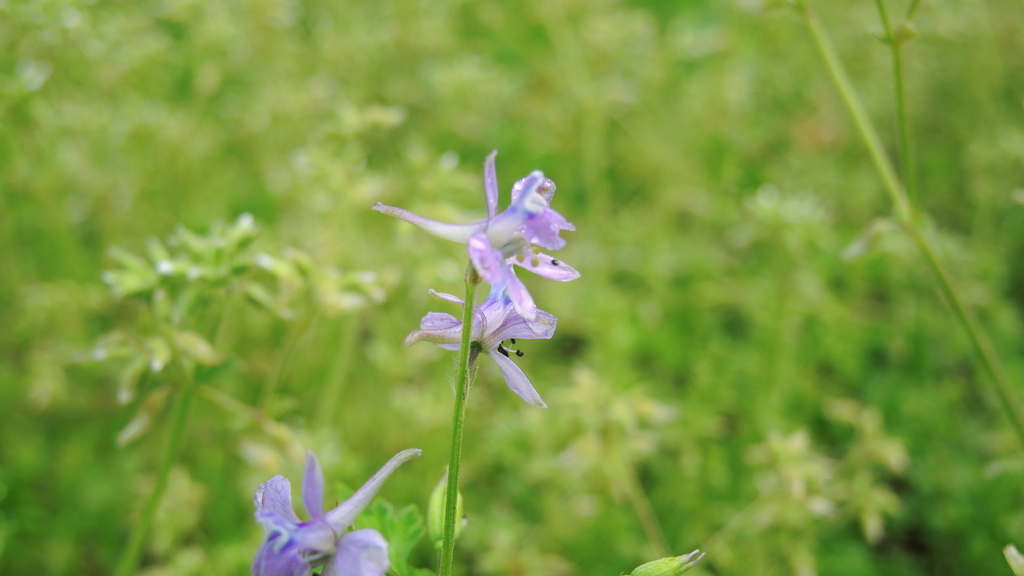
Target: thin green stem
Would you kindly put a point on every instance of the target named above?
(645, 513)
(467, 355)
(860, 116)
(271, 427)
(133, 551)
(913, 8)
(296, 330)
(339, 371)
(895, 42)
(979, 340)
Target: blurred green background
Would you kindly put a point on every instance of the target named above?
(739, 368)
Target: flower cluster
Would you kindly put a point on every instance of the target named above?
(294, 548)
(494, 322)
(495, 245)
(514, 237)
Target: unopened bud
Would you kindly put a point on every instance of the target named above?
(673, 566)
(435, 512)
(904, 32)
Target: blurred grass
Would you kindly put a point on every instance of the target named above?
(715, 181)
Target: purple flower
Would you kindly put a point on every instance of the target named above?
(494, 321)
(294, 548)
(514, 236)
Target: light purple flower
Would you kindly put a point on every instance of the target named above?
(494, 321)
(515, 236)
(294, 548)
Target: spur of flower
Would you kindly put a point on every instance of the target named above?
(294, 548)
(514, 236)
(494, 321)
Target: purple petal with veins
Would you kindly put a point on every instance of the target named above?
(547, 267)
(520, 296)
(487, 261)
(491, 184)
(516, 380)
(360, 553)
(543, 229)
(515, 326)
(275, 497)
(313, 486)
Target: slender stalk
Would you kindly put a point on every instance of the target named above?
(896, 48)
(467, 356)
(979, 340)
(296, 330)
(913, 8)
(860, 116)
(645, 512)
(339, 372)
(271, 427)
(133, 551)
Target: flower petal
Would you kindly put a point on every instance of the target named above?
(274, 497)
(360, 553)
(438, 321)
(515, 326)
(548, 267)
(313, 486)
(487, 261)
(546, 189)
(453, 232)
(274, 561)
(521, 299)
(515, 379)
(437, 327)
(491, 184)
(342, 516)
(542, 229)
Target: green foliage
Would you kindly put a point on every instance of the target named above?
(402, 529)
(740, 274)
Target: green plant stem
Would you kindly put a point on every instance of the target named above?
(907, 153)
(645, 512)
(271, 427)
(296, 330)
(912, 8)
(467, 356)
(339, 371)
(133, 551)
(860, 116)
(979, 340)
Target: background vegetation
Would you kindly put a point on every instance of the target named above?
(751, 364)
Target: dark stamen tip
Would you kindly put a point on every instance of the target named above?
(554, 262)
(519, 353)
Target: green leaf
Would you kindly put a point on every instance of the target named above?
(402, 530)
(197, 348)
(157, 251)
(128, 260)
(143, 419)
(128, 380)
(159, 353)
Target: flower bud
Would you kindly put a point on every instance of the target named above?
(435, 512)
(904, 32)
(673, 566)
